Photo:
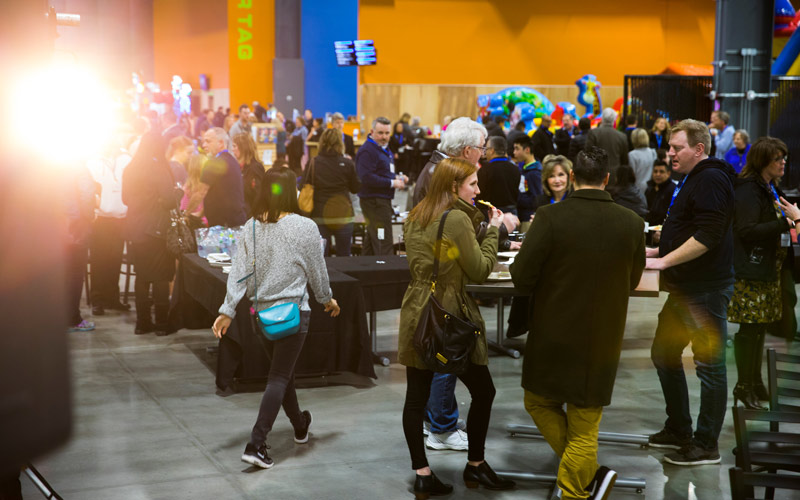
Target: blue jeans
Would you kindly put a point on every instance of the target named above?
(698, 318)
(343, 233)
(442, 408)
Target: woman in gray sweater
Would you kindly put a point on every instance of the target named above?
(282, 258)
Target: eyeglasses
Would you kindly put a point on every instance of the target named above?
(483, 149)
(781, 158)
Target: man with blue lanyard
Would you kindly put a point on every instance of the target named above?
(220, 188)
(530, 184)
(695, 256)
(375, 168)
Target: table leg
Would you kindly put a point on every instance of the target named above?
(606, 437)
(498, 345)
(373, 332)
(635, 483)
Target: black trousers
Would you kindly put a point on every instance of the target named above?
(378, 215)
(106, 259)
(280, 391)
(145, 303)
(77, 256)
(481, 388)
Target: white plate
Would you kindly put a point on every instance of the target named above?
(218, 257)
(499, 276)
(507, 255)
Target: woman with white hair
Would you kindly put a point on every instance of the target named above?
(641, 158)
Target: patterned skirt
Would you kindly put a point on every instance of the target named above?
(757, 301)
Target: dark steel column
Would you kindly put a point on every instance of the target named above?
(742, 62)
(288, 70)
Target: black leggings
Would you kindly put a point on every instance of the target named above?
(479, 382)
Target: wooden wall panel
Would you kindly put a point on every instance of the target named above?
(433, 102)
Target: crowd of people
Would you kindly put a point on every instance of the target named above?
(724, 250)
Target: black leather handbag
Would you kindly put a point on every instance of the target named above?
(442, 340)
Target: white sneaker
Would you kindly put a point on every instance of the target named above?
(426, 426)
(456, 440)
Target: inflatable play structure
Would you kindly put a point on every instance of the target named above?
(525, 104)
(786, 42)
(515, 104)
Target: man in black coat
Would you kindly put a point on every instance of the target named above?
(580, 289)
(499, 179)
(659, 193)
(578, 142)
(695, 256)
(543, 139)
(611, 140)
(564, 135)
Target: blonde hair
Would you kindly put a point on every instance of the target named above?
(441, 195)
(176, 144)
(247, 147)
(549, 164)
(639, 138)
(194, 171)
(696, 133)
(331, 140)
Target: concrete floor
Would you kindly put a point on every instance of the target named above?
(147, 425)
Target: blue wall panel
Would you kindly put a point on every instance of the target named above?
(328, 87)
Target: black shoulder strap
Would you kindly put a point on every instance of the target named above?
(436, 251)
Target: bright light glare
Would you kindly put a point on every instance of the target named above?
(62, 113)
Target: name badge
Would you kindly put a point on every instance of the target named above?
(391, 167)
(381, 234)
(786, 240)
(522, 184)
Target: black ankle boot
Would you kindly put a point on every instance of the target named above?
(746, 394)
(425, 486)
(484, 475)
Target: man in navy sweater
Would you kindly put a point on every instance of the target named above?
(375, 168)
(695, 256)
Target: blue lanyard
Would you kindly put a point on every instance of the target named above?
(370, 139)
(675, 194)
(777, 200)
(659, 138)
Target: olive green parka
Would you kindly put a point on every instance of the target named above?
(463, 260)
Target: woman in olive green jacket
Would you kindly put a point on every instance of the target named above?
(453, 187)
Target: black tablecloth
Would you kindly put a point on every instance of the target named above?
(384, 279)
(333, 344)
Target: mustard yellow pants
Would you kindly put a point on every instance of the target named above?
(573, 436)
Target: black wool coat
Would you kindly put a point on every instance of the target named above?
(579, 261)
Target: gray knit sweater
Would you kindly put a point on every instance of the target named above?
(288, 255)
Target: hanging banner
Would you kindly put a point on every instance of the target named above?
(251, 49)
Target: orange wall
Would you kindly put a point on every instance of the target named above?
(251, 49)
(532, 41)
(190, 38)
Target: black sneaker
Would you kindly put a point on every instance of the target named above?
(665, 438)
(257, 456)
(301, 435)
(601, 485)
(693, 455)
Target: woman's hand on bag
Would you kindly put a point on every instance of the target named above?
(496, 217)
(333, 308)
(221, 325)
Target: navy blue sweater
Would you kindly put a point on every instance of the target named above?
(703, 209)
(374, 171)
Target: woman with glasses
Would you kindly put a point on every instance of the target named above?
(762, 256)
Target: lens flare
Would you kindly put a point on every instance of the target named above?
(63, 113)
(276, 189)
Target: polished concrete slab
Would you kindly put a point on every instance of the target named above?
(147, 425)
